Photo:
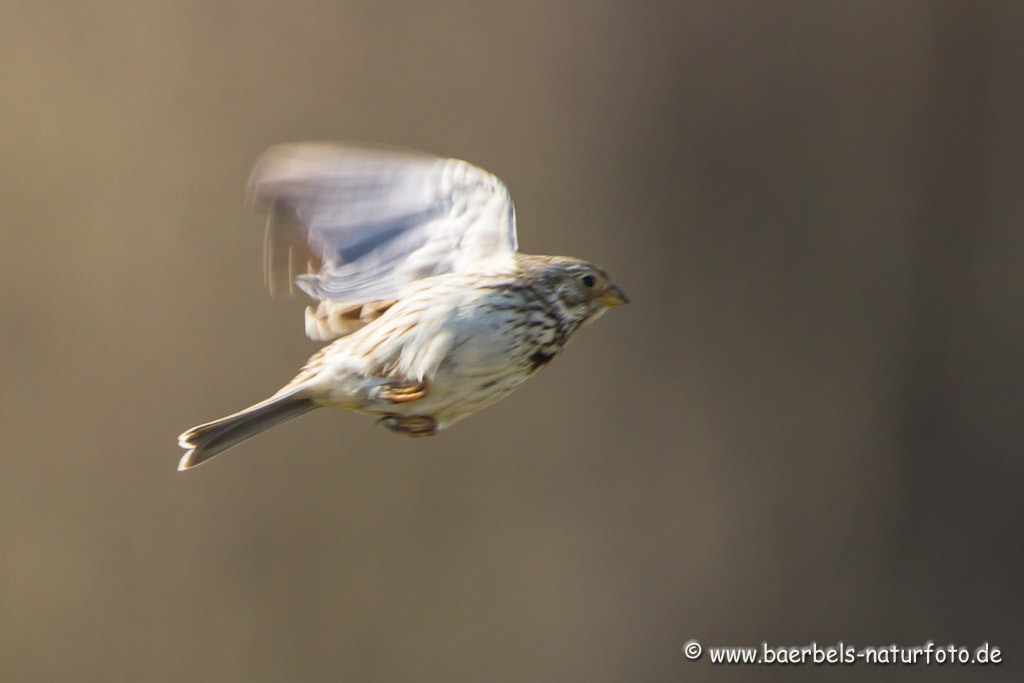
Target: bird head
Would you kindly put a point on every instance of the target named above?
(580, 289)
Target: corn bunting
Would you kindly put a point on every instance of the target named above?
(412, 259)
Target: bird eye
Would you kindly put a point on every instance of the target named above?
(588, 280)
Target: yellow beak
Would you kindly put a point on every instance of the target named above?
(614, 297)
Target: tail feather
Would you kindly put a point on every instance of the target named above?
(207, 440)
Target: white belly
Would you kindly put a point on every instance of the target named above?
(478, 345)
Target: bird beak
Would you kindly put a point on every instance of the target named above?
(614, 297)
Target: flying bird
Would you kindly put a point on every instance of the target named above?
(412, 260)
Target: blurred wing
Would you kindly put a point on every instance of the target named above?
(353, 224)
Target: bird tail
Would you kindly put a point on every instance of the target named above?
(207, 440)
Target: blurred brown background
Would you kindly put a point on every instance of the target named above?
(807, 426)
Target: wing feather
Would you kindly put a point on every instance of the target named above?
(354, 224)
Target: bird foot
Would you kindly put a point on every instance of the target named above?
(402, 391)
(410, 425)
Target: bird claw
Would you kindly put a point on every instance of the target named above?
(402, 391)
(410, 425)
